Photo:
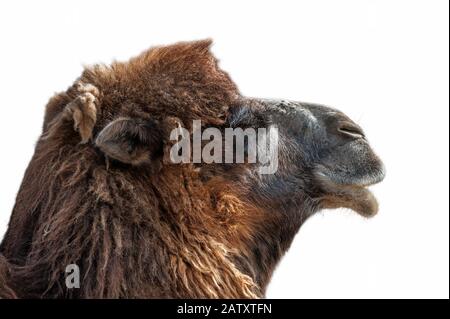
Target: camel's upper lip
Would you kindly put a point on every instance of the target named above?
(361, 183)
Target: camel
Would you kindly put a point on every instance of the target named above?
(102, 194)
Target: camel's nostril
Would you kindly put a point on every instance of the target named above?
(351, 130)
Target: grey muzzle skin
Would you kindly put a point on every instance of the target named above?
(320, 147)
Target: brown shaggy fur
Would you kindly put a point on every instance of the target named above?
(5, 289)
(122, 226)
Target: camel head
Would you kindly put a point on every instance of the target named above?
(157, 178)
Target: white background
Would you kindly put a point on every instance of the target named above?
(384, 63)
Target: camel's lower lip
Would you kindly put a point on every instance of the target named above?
(366, 202)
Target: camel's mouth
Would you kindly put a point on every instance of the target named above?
(364, 201)
(350, 188)
(358, 198)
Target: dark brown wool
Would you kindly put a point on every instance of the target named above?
(122, 226)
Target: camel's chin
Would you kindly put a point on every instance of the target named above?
(364, 202)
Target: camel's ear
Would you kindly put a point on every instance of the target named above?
(131, 141)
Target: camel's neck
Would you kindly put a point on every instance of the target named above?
(273, 239)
